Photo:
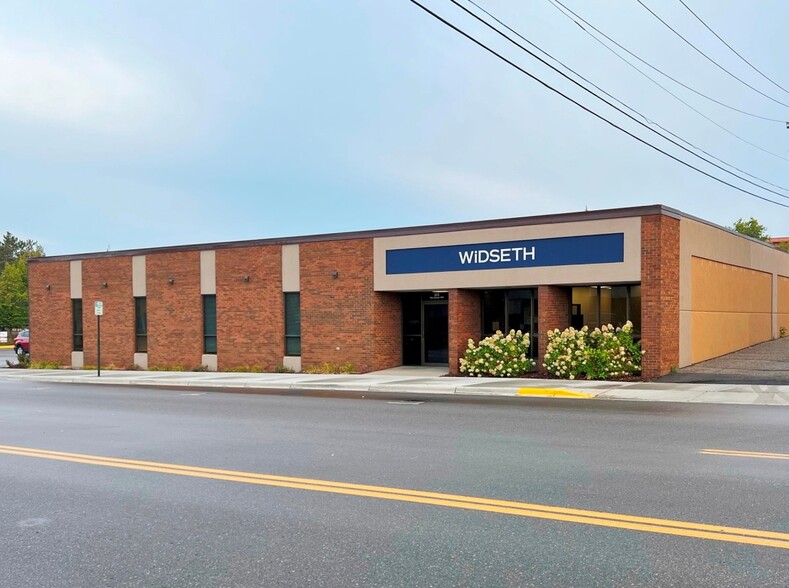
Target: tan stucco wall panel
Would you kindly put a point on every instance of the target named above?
(719, 333)
(727, 288)
(731, 308)
(712, 244)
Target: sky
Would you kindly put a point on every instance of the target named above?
(142, 124)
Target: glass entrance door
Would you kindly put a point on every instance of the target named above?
(425, 328)
(436, 332)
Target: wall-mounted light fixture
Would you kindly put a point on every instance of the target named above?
(170, 281)
(104, 284)
(335, 275)
(48, 287)
(246, 278)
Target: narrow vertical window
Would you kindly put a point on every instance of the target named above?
(209, 323)
(140, 325)
(76, 323)
(292, 323)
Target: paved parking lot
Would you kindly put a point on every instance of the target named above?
(766, 363)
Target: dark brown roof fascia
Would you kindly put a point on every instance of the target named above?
(568, 217)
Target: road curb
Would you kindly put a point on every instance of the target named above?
(554, 393)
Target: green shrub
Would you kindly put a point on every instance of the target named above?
(498, 355)
(44, 365)
(253, 369)
(22, 361)
(283, 369)
(598, 354)
(330, 368)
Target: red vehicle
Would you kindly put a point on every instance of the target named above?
(22, 342)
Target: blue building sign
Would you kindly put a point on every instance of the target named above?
(580, 250)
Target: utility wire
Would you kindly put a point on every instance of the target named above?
(753, 67)
(673, 79)
(584, 88)
(647, 119)
(661, 86)
(708, 58)
(586, 109)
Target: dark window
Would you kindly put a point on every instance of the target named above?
(209, 323)
(76, 323)
(506, 310)
(595, 306)
(292, 323)
(140, 325)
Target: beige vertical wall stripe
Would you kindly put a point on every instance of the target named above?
(208, 272)
(138, 276)
(141, 359)
(290, 268)
(783, 302)
(75, 270)
(210, 361)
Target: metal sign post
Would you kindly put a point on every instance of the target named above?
(98, 310)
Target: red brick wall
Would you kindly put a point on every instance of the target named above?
(465, 322)
(250, 315)
(175, 312)
(388, 321)
(659, 294)
(553, 312)
(117, 323)
(50, 312)
(342, 319)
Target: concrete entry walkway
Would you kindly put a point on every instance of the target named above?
(763, 364)
(416, 371)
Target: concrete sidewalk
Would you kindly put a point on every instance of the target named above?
(415, 385)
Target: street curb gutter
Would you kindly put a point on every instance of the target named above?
(425, 387)
(554, 393)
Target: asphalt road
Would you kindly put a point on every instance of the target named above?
(67, 520)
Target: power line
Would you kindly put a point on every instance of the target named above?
(456, 3)
(586, 109)
(710, 59)
(654, 81)
(647, 119)
(661, 72)
(753, 67)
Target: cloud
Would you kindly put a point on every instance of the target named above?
(73, 87)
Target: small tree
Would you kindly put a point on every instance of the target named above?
(751, 228)
(14, 254)
(13, 294)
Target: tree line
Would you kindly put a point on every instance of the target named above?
(14, 253)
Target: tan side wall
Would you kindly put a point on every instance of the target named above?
(731, 308)
(737, 302)
(783, 303)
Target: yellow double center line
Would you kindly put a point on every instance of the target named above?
(733, 453)
(524, 509)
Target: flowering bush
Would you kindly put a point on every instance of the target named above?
(598, 354)
(498, 355)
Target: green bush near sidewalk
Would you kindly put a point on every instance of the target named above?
(596, 354)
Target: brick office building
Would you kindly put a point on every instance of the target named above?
(414, 296)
